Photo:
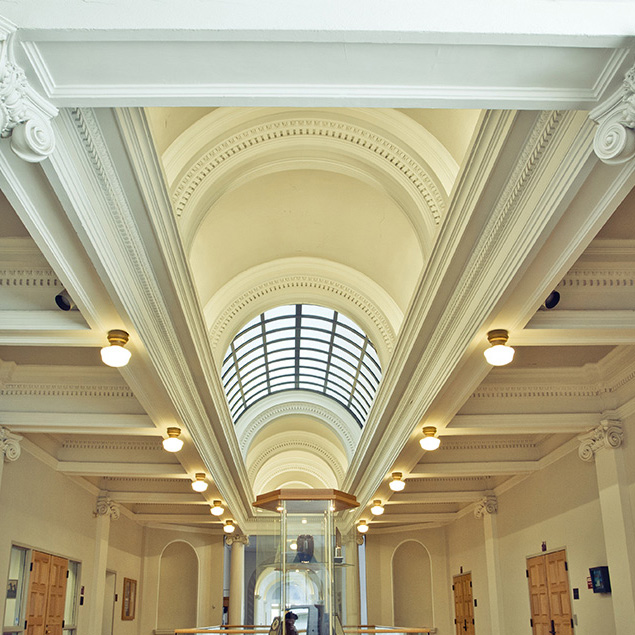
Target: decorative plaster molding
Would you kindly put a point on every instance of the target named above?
(609, 434)
(358, 138)
(23, 277)
(107, 507)
(497, 391)
(598, 276)
(488, 444)
(487, 505)
(614, 141)
(25, 116)
(10, 445)
(142, 446)
(64, 390)
(240, 540)
(302, 283)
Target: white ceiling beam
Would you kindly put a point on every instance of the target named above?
(415, 498)
(443, 517)
(79, 423)
(50, 338)
(94, 468)
(163, 498)
(178, 518)
(478, 468)
(519, 423)
(42, 320)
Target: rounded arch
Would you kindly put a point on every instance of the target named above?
(178, 586)
(306, 281)
(282, 470)
(411, 569)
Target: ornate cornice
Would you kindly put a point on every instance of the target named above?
(609, 434)
(544, 391)
(614, 140)
(488, 444)
(239, 540)
(24, 277)
(487, 505)
(107, 507)
(141, 446)
(303, 282)
(64, 390)
(10, 445)
(597, 276)
(358, 138)
(25, 116)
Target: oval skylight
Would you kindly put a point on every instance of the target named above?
(301, 347)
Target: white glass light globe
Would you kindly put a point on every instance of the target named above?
(499, 355)
(377, 509)
(115, 356)
(199, 485)
(217, 509)
(172, 444)
(430, 443)
(293, 546)
(362, 527)
(228, 527)
(397, 484)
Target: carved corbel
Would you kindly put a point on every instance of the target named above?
(25, 116)
(609, 434)
(240, 539)
(487, 505)
(10, 445)
(614, 140)
(107, 507)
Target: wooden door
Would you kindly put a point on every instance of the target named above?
(463, 604)
(47, 595)
(549, 594)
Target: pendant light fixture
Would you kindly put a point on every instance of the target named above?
(377, 509)
(362, 526)
(199, 484)
(397, 483)
(217, 508)
(229, 527)
(499, 353)
(173, 443)
(430, 441)
(116, 355)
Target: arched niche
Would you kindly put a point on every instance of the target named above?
(412, 585)
(178, 587)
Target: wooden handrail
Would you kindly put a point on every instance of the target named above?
(235, 628)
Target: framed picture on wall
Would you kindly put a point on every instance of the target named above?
(129, 599)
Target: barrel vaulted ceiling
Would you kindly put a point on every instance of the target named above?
(427, 189)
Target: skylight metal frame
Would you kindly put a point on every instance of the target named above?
(301, 347)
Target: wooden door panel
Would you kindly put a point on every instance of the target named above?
(57, 596)
(38, 593)
(463, 604)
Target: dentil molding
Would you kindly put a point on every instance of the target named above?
(107, 507)
(25, 116)
(487, 505)
(614, 140)
(609, 434)
(10, 445)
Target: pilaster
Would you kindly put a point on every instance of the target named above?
(603, 444)
(487, 509)
(105, 510)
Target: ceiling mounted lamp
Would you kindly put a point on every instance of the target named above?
(173, 443)
(217, 508)
(397, 483)
(229, 527)
(377, 509)
(116, 355)
(498, 354)
(362, 526)
(430, 441)
(199, 484)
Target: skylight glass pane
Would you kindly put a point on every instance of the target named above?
(329, 354)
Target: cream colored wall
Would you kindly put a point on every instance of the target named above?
(125, 559)
(178, 587)
(412, 585)
(379, 553)
(466, 552)
(209, 550)
(45, 510)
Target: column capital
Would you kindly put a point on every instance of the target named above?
(608, 434)
(25, 115)
(240, 539)
(10, 445)
(107, 507)
(487, 505)
(614, 140)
